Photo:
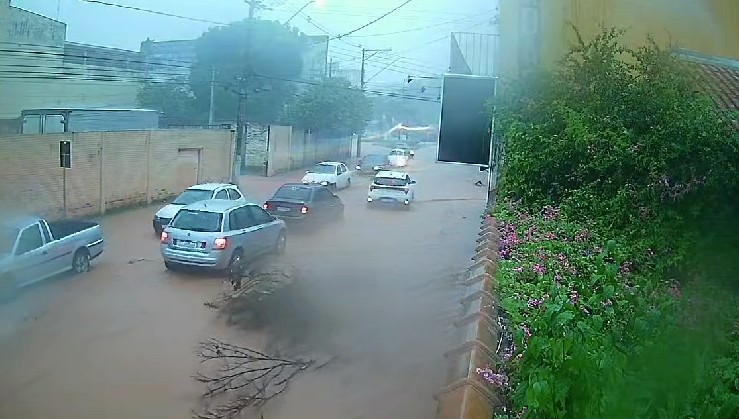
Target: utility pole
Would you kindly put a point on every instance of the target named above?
(362, 75)
(211, 111)
(242, 88)
(331, 68)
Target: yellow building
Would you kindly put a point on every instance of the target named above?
(536, 32)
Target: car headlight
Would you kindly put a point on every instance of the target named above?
(376, 168)
(359, 167)
(324, 183)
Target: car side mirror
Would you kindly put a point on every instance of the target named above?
(413, 182)
(307, 171)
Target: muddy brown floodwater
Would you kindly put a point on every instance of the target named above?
(377, 292)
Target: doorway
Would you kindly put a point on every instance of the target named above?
(188, 167)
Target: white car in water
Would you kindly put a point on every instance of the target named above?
(192, 195)
(393, 188)
(334, 175)
(398, 157)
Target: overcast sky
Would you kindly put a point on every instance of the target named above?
(415, 50)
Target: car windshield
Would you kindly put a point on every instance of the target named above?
(190, 196)
(197, 221)
(323, 169)
(390, 181)
(297, 192)
(397, 153)
(7, 239)
(374, 160)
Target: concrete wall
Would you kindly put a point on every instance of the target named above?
(109, 169)
(709, 26)
(287, 148)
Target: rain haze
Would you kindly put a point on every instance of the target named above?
(319, 209)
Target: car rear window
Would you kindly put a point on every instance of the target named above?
(190, 196)
(390, 181)
(297, 192)
(197, 221)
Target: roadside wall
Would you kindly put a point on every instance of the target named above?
(286, 148)
(479, 331)
(109, 169)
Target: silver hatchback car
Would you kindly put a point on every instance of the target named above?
(221, 234)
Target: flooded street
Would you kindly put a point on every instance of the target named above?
(376, 292)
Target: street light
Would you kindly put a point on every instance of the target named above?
(320, 3)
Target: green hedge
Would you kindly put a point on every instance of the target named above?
(618, 179)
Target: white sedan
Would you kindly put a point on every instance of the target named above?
(398, 157)
(333, 174)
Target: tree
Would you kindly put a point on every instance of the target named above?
(172, 99)
(330, 108)
(265, 53)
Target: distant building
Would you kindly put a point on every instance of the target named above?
(353, 75)
(41, 70)
(169, 59)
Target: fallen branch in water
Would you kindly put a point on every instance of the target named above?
(244, 378)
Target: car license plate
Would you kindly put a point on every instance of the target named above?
(283, 209)
(188, 244)
(387, 200)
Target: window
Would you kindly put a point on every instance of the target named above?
(53, 124)
(45, 231)
(222, 194)
(234, 194)
(30, 239)
(236, 220)
(191, 196)
(244, 218)
(341, 168)
(197, 221)
(323, 169)
(297, 192)
(31, 124)
(324, 194)
(259, 215)
(390, 181)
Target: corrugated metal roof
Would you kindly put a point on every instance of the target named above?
(718, 77)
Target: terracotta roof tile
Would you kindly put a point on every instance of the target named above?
(719, 78)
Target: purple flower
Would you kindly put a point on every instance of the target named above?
(492, 378)
(534, 303)
(558, 278)
(526, 331)
(541, 270)
(626, 268)
(550, 213)
(574, 297)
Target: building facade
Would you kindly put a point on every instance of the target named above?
(39, 69)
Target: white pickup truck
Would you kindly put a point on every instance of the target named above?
(33, 249)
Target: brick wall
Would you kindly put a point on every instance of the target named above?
(109, 169)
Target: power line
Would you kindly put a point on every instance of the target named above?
(421, 28)
(382, 16)
(155, 12)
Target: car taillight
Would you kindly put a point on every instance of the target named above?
(219, 244)
(304, 210)
(165, 237)
(265, 206)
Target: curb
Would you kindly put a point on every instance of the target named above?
(479, 332)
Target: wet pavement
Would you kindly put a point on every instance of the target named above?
(376, 291)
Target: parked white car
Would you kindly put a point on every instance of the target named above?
(333, 174)
(195, 193)
(392, 188)
(398, 157)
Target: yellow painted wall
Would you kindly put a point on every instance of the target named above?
(707, 26)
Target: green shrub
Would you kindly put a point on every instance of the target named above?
(617, 177)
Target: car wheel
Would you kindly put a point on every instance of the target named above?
(81, 261)
(281, 244)
(8, 290)
(171, 266)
